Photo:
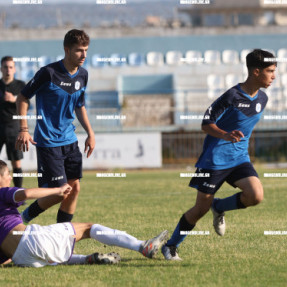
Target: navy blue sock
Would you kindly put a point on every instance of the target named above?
(229, 203)
(176, 237)
(18, 180)
(32, 211)
(63, 216)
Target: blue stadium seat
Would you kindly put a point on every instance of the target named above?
(136, 59)
(118, 60)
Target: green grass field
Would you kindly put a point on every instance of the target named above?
(147, 202)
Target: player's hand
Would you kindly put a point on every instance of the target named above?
(90, 145)
(65, 189)
(9, 97)
(234, 136)
(22, 142)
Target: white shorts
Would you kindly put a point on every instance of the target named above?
(45, 245)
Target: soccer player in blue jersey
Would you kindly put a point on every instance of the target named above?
(228, 122)
(60, 91)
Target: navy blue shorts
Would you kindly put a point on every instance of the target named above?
(58, 164)
(209, 181)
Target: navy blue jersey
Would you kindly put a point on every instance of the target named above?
(58, 93)
(234, 110)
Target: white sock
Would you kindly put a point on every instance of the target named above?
(77, 259)
(115, 237)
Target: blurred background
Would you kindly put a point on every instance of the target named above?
(154, 68)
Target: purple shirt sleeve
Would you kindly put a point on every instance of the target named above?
(7, 195)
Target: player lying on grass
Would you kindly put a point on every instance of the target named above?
(37, 246)
(228, 122)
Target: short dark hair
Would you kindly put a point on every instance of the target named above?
(260, 59)
(5, 59)
(76, 37)
(3, 166)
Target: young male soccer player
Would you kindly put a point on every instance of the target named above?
(60, 90)
(37, 246)
(10, 88)
(228, 122)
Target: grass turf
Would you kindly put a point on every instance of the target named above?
(147, 202)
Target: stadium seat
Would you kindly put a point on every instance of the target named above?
(173, 58)
(281, 68)
(193, 57)
(215, 85)
(97, 61)
(243, 55)
(230, 57)
(154, 59)
(45, 60)
(118, 60)
(136, 59)
(282, 53)
(212, 57)
(232, 80)
(283, 79)
(282, 65)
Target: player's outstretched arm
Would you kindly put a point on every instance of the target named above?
(34, 193)
(215, 131)
(84, 121)
(23, 139)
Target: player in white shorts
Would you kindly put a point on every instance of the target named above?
(37, 246)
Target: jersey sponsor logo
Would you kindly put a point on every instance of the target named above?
(209, 110)
(208, 185)
(77, 85)
(66, 84)
(55, 178)
(258, 108)
(32, 82)
(240, 105)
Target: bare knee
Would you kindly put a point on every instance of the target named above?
(82, 230)
(75, 189)
(253, 197)
(258, 197)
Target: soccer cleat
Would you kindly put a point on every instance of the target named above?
(150, 247)
(102, 258)
(218, 222)
(170, 253)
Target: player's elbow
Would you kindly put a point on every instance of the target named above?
(21, 195)
(204, 128)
